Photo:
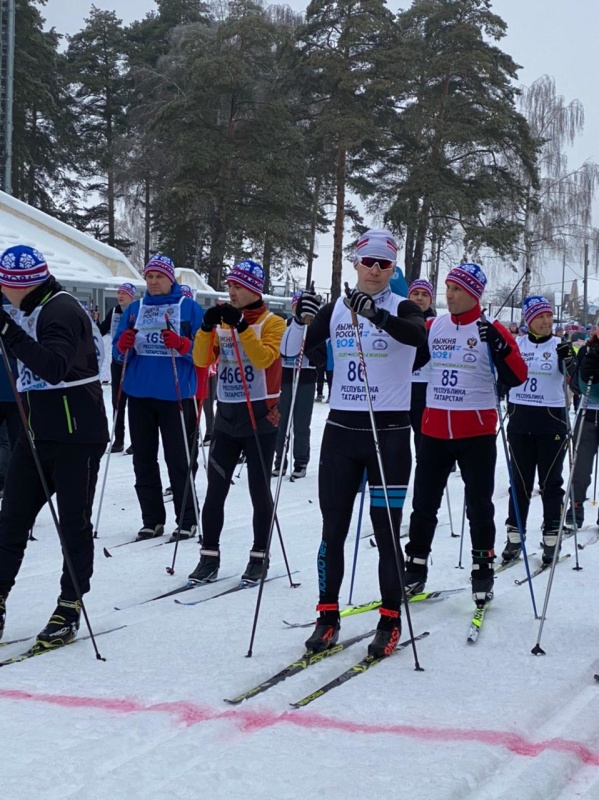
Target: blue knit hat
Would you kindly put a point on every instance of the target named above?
(248, 274)
(470, 277)
(187, 291)
(163, 264)
(128, 288)
(535, 305)
(22, 267)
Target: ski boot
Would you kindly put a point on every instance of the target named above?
(207, 569)
(2, 615)
(253, 571)
(149, 532)
(63, 625)
(178, 535)
(513, 546)
(576, 515)
(416, 574)
(117, 447)
(299, 471)
(326, 630)
(277, 469)
(549, 545)
(387, 634)
(129, 450)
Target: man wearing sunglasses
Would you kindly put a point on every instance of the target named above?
(391, 328)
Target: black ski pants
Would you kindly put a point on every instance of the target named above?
(223, 457)
(302, 416)
(585, 455)
(417, 406)
(71, 472)
(116, 371)
(545, 453)
(344, 455)
(149, 419)
(476, 458)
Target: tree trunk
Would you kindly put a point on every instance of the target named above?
(147, 220)
(111, 208)
(313, 221)
(419, 242)
(266, 259)
(339, 224)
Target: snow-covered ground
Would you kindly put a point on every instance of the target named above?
(484, 721)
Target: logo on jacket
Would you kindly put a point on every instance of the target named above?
(546, 356)
(470, 358)
(379, 344)
(472, 342)
(546, 367)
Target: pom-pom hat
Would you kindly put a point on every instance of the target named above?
(248, 274)
(535, 305)
(163, 264)
(424, 286)
(127, 288)
(470, 277)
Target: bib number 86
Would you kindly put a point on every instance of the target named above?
(230, 375)
(355, 371)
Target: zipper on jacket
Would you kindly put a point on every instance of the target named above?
(67, 412)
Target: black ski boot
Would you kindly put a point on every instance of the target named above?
(117, 447)
(253, 571)
(207, 569)
(299, 471)
(180, 535)
(63, 624)
(482, 576)
(549, 545)
(148, 532)
(387, 634)
(416, 574)
(575, 515)
(513, 546)
(2, 615)
(326, 630)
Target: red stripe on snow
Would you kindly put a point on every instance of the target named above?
(252, 721)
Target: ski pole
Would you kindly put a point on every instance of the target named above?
(44, 483)
(241, 465)
(459, 565)
(170, 326)
(510, 471)
(537, 650)
(198, 410)
(453, 535)
(274, 502)
(399, 559)
(360, 512)
(577, 566)
(109, 450)
(595, 482)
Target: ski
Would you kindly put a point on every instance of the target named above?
(39, 650)
(15, 641)
(509, 564)
(440, 594)
(239, 587)
(365, 664)
(541, 569)
(186, 588)
(477, 623)
(308, 659)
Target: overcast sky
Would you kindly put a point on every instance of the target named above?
(544, 37)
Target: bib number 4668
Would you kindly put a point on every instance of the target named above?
(230, 375)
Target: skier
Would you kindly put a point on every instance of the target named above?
(247, 326)
(459, 424)
(152, 334)
(421, 292)
(125, 295)
(304, 405)
(588, 370)
(59, 384)
(392, 328)
(537, 429)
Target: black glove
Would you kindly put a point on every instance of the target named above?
(490, 335)
(212, 317)
(307, 306)
(232, 316)
(564, 351)
(9, 330)
(362, 304)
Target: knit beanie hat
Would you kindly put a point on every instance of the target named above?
(470, 277)
(127, 288)
(163, 264)
(22, 267)
(248, 274)
(187, 291)
(424, 286)
(376, 244)
(295, 297)
(535, 305)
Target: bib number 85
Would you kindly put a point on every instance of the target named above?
(230, 375)
(449, 377)
(355, 371)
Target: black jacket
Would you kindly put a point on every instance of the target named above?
(64, 351)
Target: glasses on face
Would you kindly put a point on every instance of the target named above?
(382, 263)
